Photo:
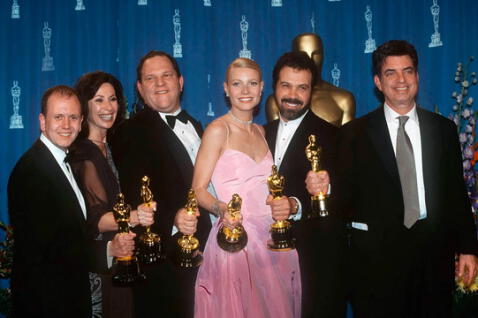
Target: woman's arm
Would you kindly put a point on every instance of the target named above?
(211, 148)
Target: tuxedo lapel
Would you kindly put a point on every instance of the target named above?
(298, 143)
(431, 151)
(175, 148)
(377, 130)
(196, 124)
(272, 135)
(59, 178)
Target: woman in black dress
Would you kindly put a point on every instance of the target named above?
(103, 106)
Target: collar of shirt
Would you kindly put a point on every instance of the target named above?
(292, 124)
(163, 115)
(285, 132)
(391, 116)
(58, 153)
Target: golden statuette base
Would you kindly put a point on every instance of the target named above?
(127, 272)
(235, 239)
(189, 255)
(282, 239)
(149, 248)
(232, 240)
(319, 208)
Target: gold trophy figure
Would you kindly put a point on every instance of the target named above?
(149, 247)
(126, 269)
(189, 255)
(312, 152)
(280, 230)
(235, 239)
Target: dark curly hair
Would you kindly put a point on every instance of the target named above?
(393, 48)
(298, 60)
(86, 88)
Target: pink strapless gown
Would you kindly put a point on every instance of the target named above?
(254, 282)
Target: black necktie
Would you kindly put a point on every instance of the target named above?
(172, 119)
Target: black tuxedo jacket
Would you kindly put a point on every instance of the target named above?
(145, 145)
(403, 272)
(321, 242)
(51, 251)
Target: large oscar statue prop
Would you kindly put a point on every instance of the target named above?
(126, 269)
(312, 152)
(235, 239)
(149, 247)
(189, 255)
(280, 230)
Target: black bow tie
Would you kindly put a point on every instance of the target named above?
(172, 119)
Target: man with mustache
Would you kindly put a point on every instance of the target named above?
(321, 242)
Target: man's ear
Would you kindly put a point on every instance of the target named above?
(376, 80)
(41, 117)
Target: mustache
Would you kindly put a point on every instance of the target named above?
(292, 101)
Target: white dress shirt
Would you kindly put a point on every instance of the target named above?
(285, 132)
(191, 141)
(412, 128)
(59, 156)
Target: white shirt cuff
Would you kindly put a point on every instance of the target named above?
(298, 215)
(109, 259)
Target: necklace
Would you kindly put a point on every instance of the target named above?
(244, 122)
(98, 141)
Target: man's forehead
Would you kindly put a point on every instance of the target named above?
(160, 63)
(293, 74)
(58, 102)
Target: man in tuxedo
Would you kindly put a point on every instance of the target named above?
(402, 185)
(161, 141)
(321, 242)
(52, 255)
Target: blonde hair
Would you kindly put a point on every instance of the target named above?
(242, 62)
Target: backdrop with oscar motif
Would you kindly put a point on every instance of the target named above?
(50, 42)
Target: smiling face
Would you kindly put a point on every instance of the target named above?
(244, 87)
(102, 109)
(160, 85)
(62, 121)
(398, 81)
(292, 92)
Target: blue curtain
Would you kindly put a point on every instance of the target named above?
(111, 35)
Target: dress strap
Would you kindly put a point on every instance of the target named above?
(227, 132)
(260, 133)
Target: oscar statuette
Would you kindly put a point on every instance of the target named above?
(189, 255)
(312, 152)
(149, 245)
(125, 269)
(235, 239)
(282, 239)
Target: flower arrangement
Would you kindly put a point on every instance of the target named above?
(465, 119)
(6, 259)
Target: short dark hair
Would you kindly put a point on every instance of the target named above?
(61, 90)
(154, 53)
(298, 60)
(139, 102)
(86, 88)
(393, 48)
